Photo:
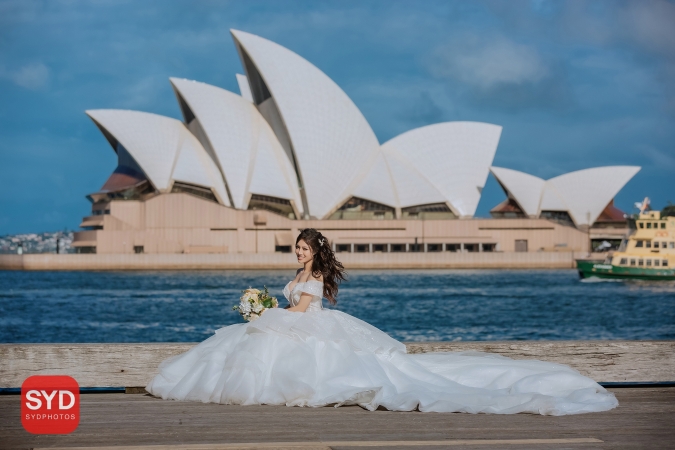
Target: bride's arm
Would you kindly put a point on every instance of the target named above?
(303, 304)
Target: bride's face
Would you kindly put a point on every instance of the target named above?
(303, 252)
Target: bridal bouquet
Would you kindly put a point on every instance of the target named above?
(253, 302)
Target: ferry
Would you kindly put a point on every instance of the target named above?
(648, 254)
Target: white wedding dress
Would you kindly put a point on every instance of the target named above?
(326, 357)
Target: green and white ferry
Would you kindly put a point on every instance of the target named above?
(648, 254)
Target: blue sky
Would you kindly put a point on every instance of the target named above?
(575, 84)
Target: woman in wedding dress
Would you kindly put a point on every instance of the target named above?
(305, 355)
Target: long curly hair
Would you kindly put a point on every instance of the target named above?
(324, 262)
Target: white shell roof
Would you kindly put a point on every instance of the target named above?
(393, 180)
(272, 173)
(164, 148)
(411, 186)
(551, 200)
(330, 136)
(378, 185)
(248, 152)
(244, 87)
(587, 192)
(453, 157)
(583, 194)
(524, 188)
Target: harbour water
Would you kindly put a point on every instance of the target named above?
(429, 305)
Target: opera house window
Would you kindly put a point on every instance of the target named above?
(141, 190)
(193, 189)
(416, 248)
(428, 212)
(489, 247)
(453, 247)
(398, 248)
(85, 249)
(472, 248)
(282, 248)
(358, 208)
(434, 247)
(138, 249)
(343, 248)
(361, 248)
(275, 205)
(380, 248)
(561, 217)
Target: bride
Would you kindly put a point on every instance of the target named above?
(305, 355)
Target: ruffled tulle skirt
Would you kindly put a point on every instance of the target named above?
(328, 357)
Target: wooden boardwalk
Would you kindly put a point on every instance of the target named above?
(644, 419)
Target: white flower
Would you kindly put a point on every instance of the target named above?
(251, 294)
(245, 307)
(257, 308)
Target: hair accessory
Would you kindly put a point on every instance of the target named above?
(321, 241)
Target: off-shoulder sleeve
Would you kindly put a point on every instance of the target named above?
(314, 288)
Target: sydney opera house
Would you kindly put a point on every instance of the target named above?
(243, 172)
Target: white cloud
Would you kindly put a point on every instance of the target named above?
(32, 76)
(488, 62)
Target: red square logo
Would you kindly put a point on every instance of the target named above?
(50, 404)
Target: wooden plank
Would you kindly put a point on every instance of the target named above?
(132, 365)
(327, 445)
(643, 419)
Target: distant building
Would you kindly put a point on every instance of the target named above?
(243, 173)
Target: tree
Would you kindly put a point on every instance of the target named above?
(669, 210)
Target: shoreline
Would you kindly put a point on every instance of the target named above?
(253, 261)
